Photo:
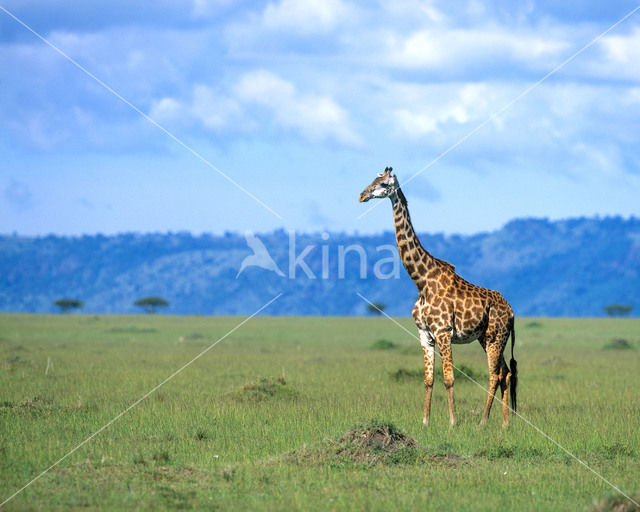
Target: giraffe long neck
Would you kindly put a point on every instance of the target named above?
(416, 260)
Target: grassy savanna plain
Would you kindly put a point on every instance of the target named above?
(256, 423)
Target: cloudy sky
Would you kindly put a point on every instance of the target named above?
(216, 115)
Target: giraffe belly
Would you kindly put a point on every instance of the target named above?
(463, 340)
(465, 336)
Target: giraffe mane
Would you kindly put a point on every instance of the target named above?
(445, 264)
(401, 197)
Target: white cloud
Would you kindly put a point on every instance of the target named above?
(165, 109)
(214, 110)
(440, 105)
(621, 54)
(317, 117)
(205, 106)
(460, 48)
(304, 16)
(604, 159)
(574, 129)
(294, 27)
(265, 88)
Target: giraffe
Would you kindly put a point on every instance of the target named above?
(449, 310)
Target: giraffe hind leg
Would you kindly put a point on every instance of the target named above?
(505, 376)
(498, 374)
(494, 380)
(493, 361)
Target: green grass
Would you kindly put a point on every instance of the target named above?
(260, 421)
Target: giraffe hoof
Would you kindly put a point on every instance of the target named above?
(425, 422)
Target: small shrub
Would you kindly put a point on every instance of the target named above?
(461, 373)
(533, 325)
(618, 344)
(228, 473)
(14, 362)
(616, 449)
(131, 330)
(36, 401)
(383, 345)
(161, 457)
(616, 503)
(403, 375)
(176, 499)
(264, 389)
(201, 435)
(497, 452)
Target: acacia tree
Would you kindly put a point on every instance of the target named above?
(376, 308)
(67, 305)
(151, 304)
(618, 309)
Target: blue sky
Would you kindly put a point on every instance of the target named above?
(298, 103)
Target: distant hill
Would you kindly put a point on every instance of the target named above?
(571, 267)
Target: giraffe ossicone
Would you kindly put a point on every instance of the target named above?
(450, 310)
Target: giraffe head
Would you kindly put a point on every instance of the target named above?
(384, 185)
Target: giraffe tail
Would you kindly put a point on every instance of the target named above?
(513, 365)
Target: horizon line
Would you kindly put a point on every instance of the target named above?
(343, 232)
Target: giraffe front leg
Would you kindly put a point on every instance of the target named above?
(444, 347)
(428, 343)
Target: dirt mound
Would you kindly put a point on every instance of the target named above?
(377, 442)
(370, 444)
(377, 436)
